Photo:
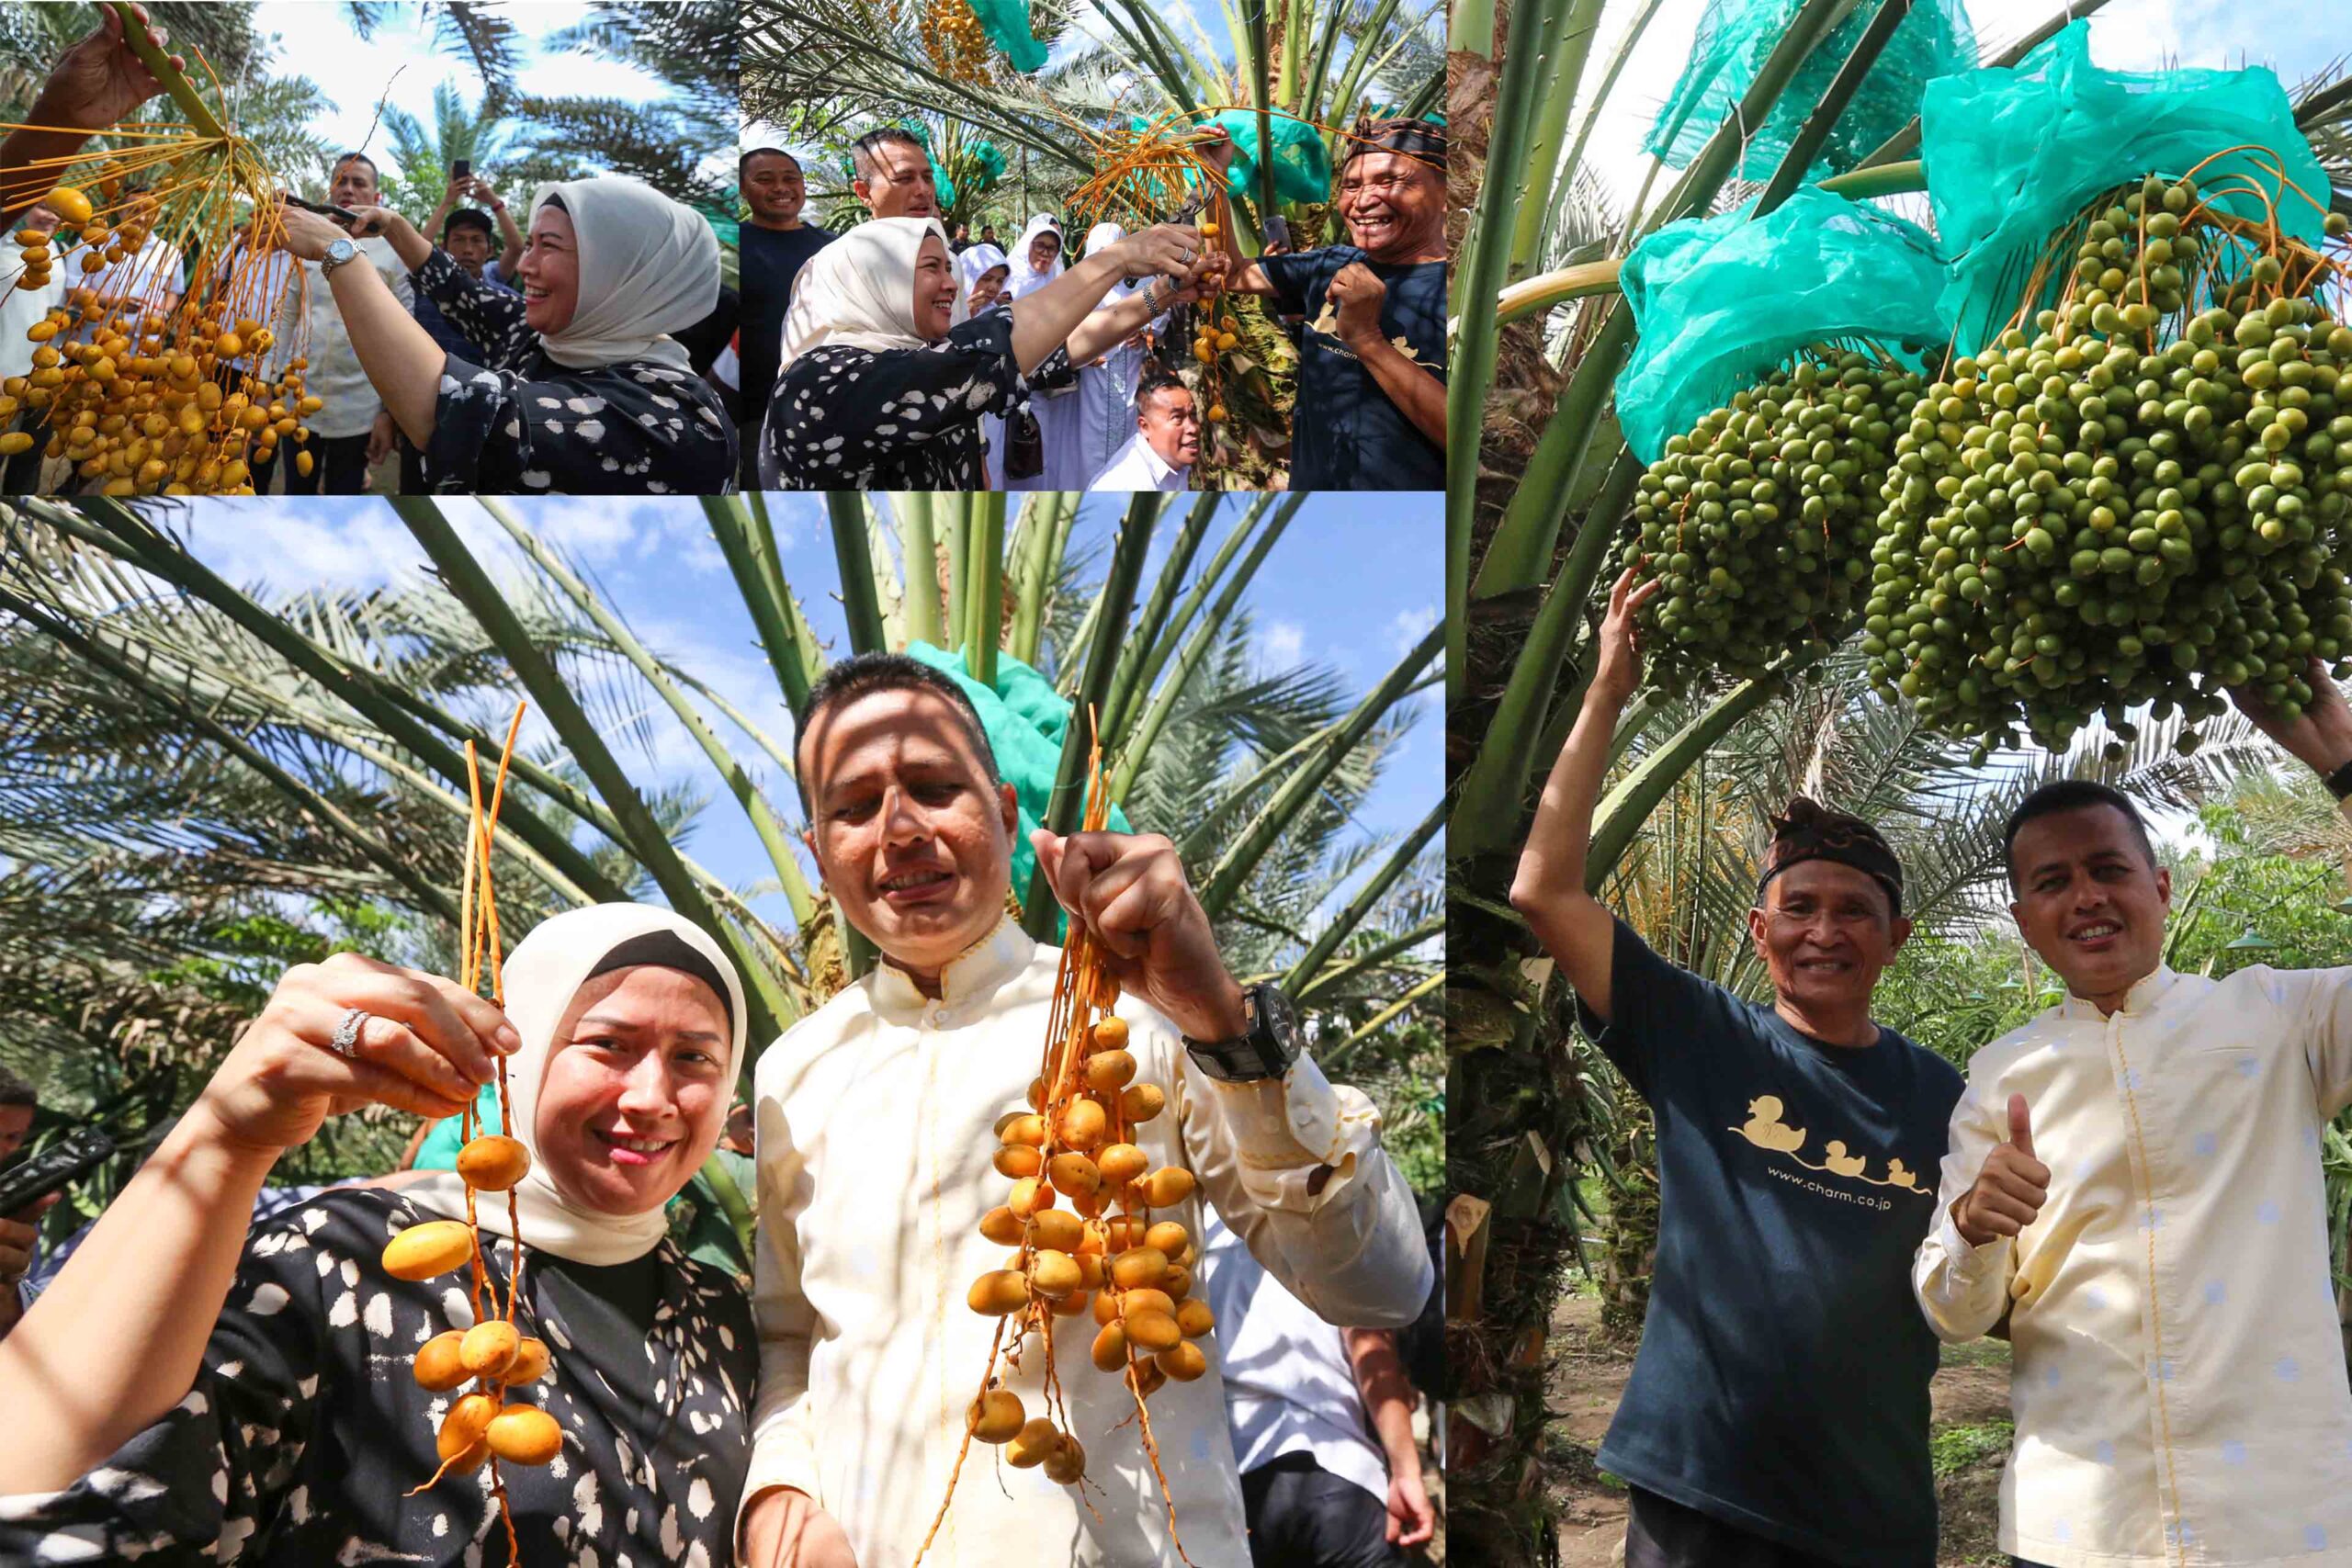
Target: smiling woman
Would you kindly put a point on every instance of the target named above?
(585, 388)
(623, 1029)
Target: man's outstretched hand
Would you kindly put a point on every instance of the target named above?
(1130, 891)
(101, 79)
(2319, 736)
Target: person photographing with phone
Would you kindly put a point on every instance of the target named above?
(2133, 1184)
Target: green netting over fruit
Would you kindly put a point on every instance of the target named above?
(1719, 301)
(988, 163)
(1301, 163)
(1736, 35)
(1007, 24)
(2012, 154)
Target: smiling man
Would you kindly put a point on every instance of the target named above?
(2134, 1183)
(1371, 407)
(1166, 443)
(876, 1119)
(1777, 1416)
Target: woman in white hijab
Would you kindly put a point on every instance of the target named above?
(1107, 389)
(1052, 393)
(586, 388)
(984, 271)
(259, 1391)
(889, 391)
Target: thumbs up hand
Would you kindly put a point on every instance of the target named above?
(2010, 1190)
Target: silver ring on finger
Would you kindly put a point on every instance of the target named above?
(345, 1042)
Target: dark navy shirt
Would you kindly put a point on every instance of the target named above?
(1781, 1385)
(1346, 432)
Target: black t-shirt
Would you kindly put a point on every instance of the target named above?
(771, 259)
(1347, 435)
(1781, 1385)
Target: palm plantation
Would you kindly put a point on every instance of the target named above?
(1546, 1145)
(209, 785)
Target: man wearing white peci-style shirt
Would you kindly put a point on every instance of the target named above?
(2133, 1179)
(1167, 440)
(876, 1120)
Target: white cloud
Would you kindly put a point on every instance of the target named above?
(1407, 627)
(1279, 643)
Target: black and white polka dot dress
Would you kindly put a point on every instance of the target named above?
(523, 424)
(305, 1425)
(848, 418)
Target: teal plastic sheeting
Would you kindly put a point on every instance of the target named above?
(2012, 155)
(1719, 300)
(1735, 37)
(987, 160)
(1007, 24)
(1301, 163)
(1024, 719)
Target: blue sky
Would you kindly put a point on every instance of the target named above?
(1351, 585)
(399, 64)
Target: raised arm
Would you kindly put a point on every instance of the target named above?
(402, 362)
(432, 230)
(508, 234)
(133, 1308)
(1550, 890)
(1292, 1164)
(1045, 321)
(94, 84)
(1114, 324)
(1242, 275)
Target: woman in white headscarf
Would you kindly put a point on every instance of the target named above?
(1052, 394)
(984, 271)
(1107, 389)
(888, 391)
(257, 1393)
(586, 388)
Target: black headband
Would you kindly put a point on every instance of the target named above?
(1813, 831)
(1416, 138)
(667, 950)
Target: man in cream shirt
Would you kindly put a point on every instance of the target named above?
(874, 1122)
(2133, 1179)
(1166, 441)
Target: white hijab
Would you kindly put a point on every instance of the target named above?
(648, 267)
(975, 263)
(860, 291)
(542, 976)
(1027, 279)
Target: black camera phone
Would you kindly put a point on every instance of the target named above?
(462, 169)
(56, 1167)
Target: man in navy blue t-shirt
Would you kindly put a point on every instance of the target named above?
(1371, 407)
(1777, 1416)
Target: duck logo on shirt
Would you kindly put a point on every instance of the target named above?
(1328, 324)
(1765, 1129)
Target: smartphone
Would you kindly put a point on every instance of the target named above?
(462, 169)
(30, 1179)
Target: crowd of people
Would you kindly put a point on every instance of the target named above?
(563, 351)
(2128, 1188)
(240, 1384)
(953, 363)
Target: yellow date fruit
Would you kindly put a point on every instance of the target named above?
(1108, 1070)
(1153, 1331)
(70, 205)
(524, 1434)
(1109, 1034)
(437, 1366)
(1110, 1352)
(1001, 1226)
(1182, 1360)
(1141, 1102)
(1166, 1186)
(1121, 1163)
(433, 1247)
(998, 1292)
(1053, 1275)
(1022, 1127)
(1139, 1266)
(1073, 1173)
(490, 1349)
(1194, 1318)
(494, 1162)
(1084, 1124)
(1029, 1195)
(1066, 1462)
(1145, 1300)
(1167, 1236)
(1057, 1231)
(464, 1425)
(996, 1417)
(530, 1362)
(1015, 1159)
(1029, 1445)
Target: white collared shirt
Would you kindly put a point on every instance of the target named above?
(1137, 467)
(2178, 1380)
(876, 1118)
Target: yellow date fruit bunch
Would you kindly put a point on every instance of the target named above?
(1102, 1255)
(958, 46)
(141, 403)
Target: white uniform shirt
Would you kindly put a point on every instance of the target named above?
(1137, 467)
(1288, 1386)
(875, 1119)
(334, 375)
(2179, 1383)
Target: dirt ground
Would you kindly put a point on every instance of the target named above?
(1971, 1437)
